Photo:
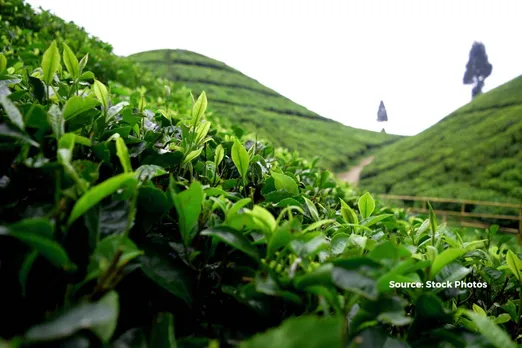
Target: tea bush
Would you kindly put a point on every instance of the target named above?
(474, 153)
(132, 218)
(239, 99)
(127, 225)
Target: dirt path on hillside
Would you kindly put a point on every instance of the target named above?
(352, 176)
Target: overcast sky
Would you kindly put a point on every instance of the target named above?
(337, 58)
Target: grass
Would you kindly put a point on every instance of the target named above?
(242, 100)
(474, 153)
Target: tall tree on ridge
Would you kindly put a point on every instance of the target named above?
(477, 69)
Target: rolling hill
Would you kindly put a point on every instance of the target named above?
(244, 101)
(473, 153)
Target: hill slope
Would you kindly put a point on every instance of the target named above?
(246, 102)
(474, 153)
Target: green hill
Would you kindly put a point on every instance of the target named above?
(473, 153)
(243, 101)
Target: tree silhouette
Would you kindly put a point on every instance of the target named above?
(477, 69)
(382, 116)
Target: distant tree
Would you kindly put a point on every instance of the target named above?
(382, 116)
(477, 69)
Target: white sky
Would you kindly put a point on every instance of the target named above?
(337, 58)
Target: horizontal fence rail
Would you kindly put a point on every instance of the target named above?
(462, 214)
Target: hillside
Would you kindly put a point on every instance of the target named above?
(473, 153)
(245, 102)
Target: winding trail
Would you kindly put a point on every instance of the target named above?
(352, 176)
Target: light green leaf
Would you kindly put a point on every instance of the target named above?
(445, 258)
(233, 238)
(12, 112)
(50, 63)
(192, 155)
(495, 335)
(514, 264)
(55, 118)
(99, 317)
(477, 309)
(348, 214)
(263, 218)
(78, 105)
(149, 171)
(3, 62)
(188, 206)
(70, 61)
(366, 205)
(219, 154)
(83, 63)
(99, 192)
(199, 108)
(102, 94)
(240, 158)
(284, 182)
(123, 155)
(375, 219)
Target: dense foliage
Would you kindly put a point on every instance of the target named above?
(474, 153)
(135, 222)
(239, 99)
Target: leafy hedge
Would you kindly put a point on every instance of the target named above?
(128, 221)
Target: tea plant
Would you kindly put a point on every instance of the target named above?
(126, 223)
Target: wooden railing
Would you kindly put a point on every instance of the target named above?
(462, 214)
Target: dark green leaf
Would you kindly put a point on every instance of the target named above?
(99, 317)
(232, 238)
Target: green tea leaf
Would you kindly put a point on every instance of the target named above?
(3, 62)
(50, 63)
(219, 154)
(78, 105)
(25, 269)
(149, 171)
(70, 61)
(263, 218)
(102, 94)
(348, 214)
(99, 192)
(495, 335)
(55, 117)
(162, 333)
(173, 277)
(240, 158)
(123, 154)
(311, 208)
(233, 238)
(284, 182)
(305, 331)
(199, 108)
(188, 206)
(366, 205)
(514, 264)
(37, 234)
(12, 112)
(107, 248)
(99, 317)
